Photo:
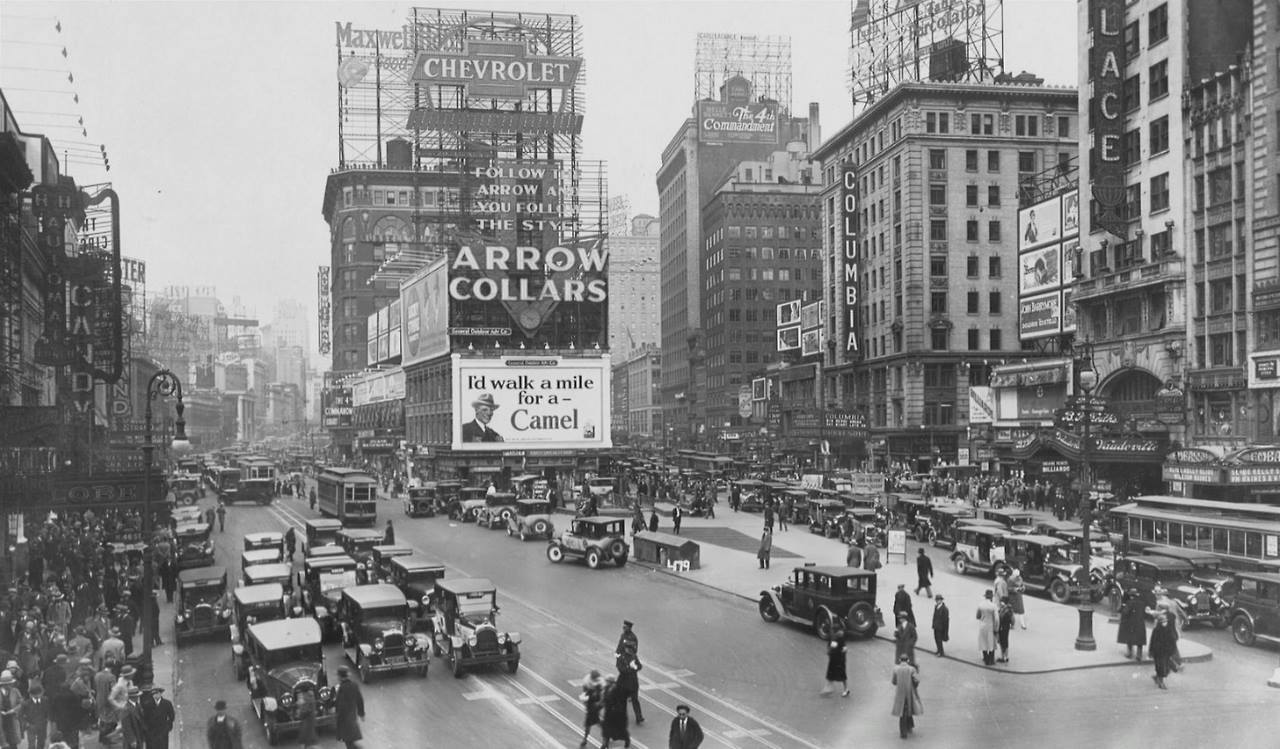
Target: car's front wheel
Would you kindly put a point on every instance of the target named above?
(1058, 592)
(555, 553)
(593, 559)
(961, 565)
(1242, 631)
(456, 664)
(823, 626)
(768, 611)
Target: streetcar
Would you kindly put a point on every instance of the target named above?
(1245, 536)
(348, 494)
(257, 480)
(226, 482)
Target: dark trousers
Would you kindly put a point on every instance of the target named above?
(37, 737)
(635, 705)
(905, 724)
(938, 641)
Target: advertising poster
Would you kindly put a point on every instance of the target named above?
(744, 401)
(789, 313)
(1040, 224)
(1040, 316)
(811, 315)
(1068, 312)
(518, 403)
(759, 389)
(424, 303)
(1070, 214)
(1040, 270)
(789, 338)
(811, 342)
(725, 122)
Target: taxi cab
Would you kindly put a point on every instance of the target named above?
(420, 501)
(192, 546)
(258, 556)
(320, 532)
(260, 574)
(979, 549)
(251, 604)
(265, 540)
(201, 603)
(359, 542)
(322, 581)
(380, 558)
(416, 577)
(282, 655)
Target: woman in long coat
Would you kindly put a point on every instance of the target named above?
(836, 670)
(906, 699)
(1133, 624)
(613, 723)
(1164, 644)
(987, 629)
(1017, 586)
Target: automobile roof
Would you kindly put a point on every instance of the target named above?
(393, 550)
(826, 503)
(415, 562)
(1266, 577)
(952, 509)
(337, 560)
(252, 554)
(367, 596)
(464, 585)
(1162, 562)
(260, 593)
(531, 502)
(598, 521)
(360, 533)
(1060, 526)
(1036, 540)
(1008, 512)
(202, 574)
(833, 571)
(260, 571)
(985, 530)
(327, 550)
(324, 523)
(501, 495)
(286, 633)
(264, 536)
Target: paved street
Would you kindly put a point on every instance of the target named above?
(751, 684)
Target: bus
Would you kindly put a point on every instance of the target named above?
(348, 494)
(226, 482)
(257, 479)
(1244, 535)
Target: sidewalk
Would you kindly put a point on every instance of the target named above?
(1048, 644)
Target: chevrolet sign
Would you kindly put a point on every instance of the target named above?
(499, 69)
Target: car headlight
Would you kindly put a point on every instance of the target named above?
(426, 600)
(471, 641)
(326, 693)
(181, 618)
(1191, 600)
(502, 638)
(377, 644)
(224, 613)
(411, 643)
(286, 700)
(269, 704)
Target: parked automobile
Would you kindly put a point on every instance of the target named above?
(375, 632)
(823, 514)
(1046, 566)
(251, 604)
(258, 556)
(464, 628)
(416, 577)
(260, 574)
(1208, 572)
(319, 532)
(420, 502)
(187, 488)
(1017, 521)
(201, 603)
(833, 600)
(596, 540)
(864, 521)
(380, 558)
(1145, 573)
(186, 515)
(282, 655)
(531, 519)
(322, 581)
(447, 493)
(1255, 611)
(469, 502)
(910, 508)
(497, 510)
(979, 548)
(935, 526)
(191, 545)
(359, 542)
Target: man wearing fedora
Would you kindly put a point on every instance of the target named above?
(157, 717)
(478, 429)
(133, 732)
(10, 711)
(685, 731)
(350, 710)
(223, 731)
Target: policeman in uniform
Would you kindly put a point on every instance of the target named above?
(627, 641)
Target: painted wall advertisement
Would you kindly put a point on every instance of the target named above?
(548, 402)
(1040, 316)
(424, 305)
(726, 122)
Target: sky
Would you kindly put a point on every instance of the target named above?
(220, 118)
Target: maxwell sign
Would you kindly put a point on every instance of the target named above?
(494, 68)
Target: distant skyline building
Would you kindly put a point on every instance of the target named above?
(634, 310)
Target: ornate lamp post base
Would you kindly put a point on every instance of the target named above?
(1084, 639)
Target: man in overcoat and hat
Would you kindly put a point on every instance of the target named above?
(350, 710)
(478, 430)
(157, 717)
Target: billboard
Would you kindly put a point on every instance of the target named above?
(424, 306)
(516, 403)
(811, 342)
(1040, 270)
(811, 315)
(1040, 224)
(789, 338)
(323, 309)
(1048, 250)
(725, 122)
(1068, 312)
(789, 313)
(850, 253)
(1040, 316)
(497, 69)
(337, 407)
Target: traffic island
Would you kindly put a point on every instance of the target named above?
(666, 550)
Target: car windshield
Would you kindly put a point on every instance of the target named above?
(383, 620)
(474, 611)
(421, 577)
(293, 656)
(336, 580)
(201, 594)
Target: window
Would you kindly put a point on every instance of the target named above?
(1026, 124)
(971, 230)
(735, 274)
(1131, 94)
(752, 314)
(1198, 204)
(1133, 201)
(1161, 243)
(996, 343)
(1158, 80)
(938, 302)
(1158, 24)
(1026, 161)
(993, 161)
(971, 267)
(993, 231)
(993, 196)
(784, 274)
(981, 124)
(1064, 127)
(937, 158)
(346, 197)
(1220, 295)
(1220, 240)
(993, 266)
(1131, 41)
(938, 230)
(939, 339)
(971, 196)
(1220, 350)
(735, 314)
(1160, 193)
(937, 122)
(973, 302)
(1220, 185)
(937, 194)
(971, 160)
(750, 232)
(993, 302)
(1131, 147)
(1240, 180)
(1159, 141)
(975, 337)
(938, 265)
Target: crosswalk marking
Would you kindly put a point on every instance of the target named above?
(486, 695)
(682, 673)
(540, 699)
(746, 733)
(662, 685)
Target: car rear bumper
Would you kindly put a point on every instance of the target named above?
(183, 632)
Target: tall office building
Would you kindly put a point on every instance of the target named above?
(1263, 193)
(634, 313)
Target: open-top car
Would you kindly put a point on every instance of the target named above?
(260, 574)
(416, 577)
(979, 548)
(273, 540)
(283, 655)
(1146, 573)
(497, 510)
(322, 581)
(835, 601)
(191, 545)
(531, 519)
(1255, 612)
(420, 501)
(251, 604)
(597, 540)
(375, 632)
(1045, 565)
(358, 543)
(202, 603)
(464, 629)
(320, 532)
(469, 502)
(380, 558)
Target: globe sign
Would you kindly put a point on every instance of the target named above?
(351, 71)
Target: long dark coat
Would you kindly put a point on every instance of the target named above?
(1133, 623)
(157, 721)
(941, 622)
(836, 670)
(350, 709)
(614, 721)
(1164, 645)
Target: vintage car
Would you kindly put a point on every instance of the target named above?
(497, 510)
(375, 632)
(259, 556)
(1101, 554)
(1046, 566)
(202, 603)
(751, 495)
(358, 543)
(380, 558)
(320, 532)
(835, 601)
(420, 501)
(416, 577)
(447, 493)
(532, 519)
(186, 488)
(464, 628)
(322, 581)
(260, 574)
(979, 548)
(597, 540)
(1145, 573)
(936, 526)
(273, 540)
(1017, 521)
(600, 487)
(909, 508)
(1208, 572)
(283, 655)
(191, 545)
(823, 514)
(866, 522)
(251, 604)
(186, 515)
(469, 501)
(1255, 612)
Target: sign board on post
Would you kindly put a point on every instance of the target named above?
(897, 545)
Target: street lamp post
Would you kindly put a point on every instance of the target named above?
(162, 384)
(1088, 380)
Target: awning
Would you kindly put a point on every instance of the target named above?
(1031, 374)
